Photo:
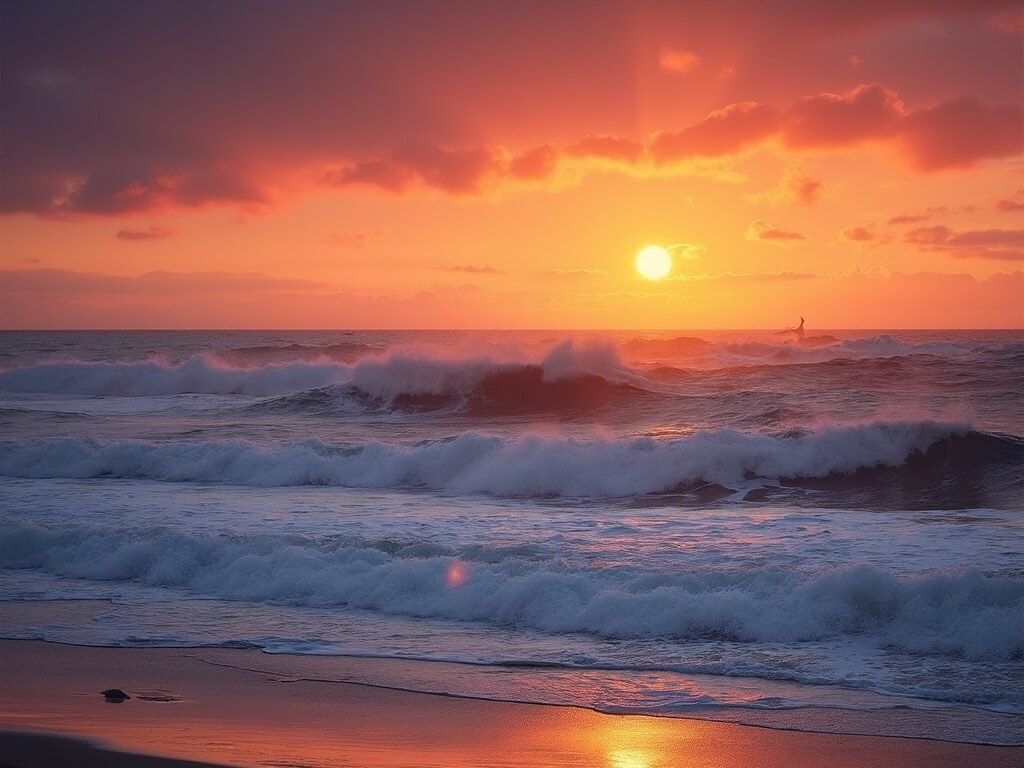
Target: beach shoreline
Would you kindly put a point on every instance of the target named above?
(230, 713)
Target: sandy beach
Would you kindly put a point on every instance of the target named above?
(187, 708)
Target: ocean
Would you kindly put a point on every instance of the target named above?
(819, 532)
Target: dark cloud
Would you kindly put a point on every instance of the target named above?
(116, 107)
(113, 107)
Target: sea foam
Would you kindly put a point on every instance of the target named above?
(532, 465)
(964, 614)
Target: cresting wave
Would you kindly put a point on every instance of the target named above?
(270, 371)
(965, 614)
(531, 466)
(567, 376)
(506, 392)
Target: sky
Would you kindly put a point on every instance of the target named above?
(436, 164)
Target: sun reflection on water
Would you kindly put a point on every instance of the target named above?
(628, 758)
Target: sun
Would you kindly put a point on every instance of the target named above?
(653, 262)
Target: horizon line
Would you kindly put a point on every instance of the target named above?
(488, 330)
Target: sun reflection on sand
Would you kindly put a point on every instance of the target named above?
(638, 743)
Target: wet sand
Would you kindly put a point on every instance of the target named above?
(187, 709)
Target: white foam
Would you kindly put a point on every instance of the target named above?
(533, 465)
(401, 370)
(962, 614)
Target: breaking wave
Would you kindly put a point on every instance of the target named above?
(928, 453)
(965, 614)
(569, 376)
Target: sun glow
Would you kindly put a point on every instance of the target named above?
(455, 575)
(653, 262)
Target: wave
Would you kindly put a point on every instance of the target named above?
(255, 357)
(920, 455)
(694, 352)
(965, 614)
(657, 349)
(274, 371)
(199, 374)
(517, 390)
(569, 378)
(568, 375)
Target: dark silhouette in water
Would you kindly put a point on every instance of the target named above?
(807, 341)
(798, 331)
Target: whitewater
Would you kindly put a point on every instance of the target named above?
(821, 532)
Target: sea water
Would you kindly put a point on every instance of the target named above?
(822, 531)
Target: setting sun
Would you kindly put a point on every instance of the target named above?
(653, 262)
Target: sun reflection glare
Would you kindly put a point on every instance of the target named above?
(456, 575)
(638, 742)
(627, 758)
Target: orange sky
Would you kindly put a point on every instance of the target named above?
(463, 165)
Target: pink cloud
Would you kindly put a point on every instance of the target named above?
(867, 112)
(603, 147)
(135, 234)
(745, 278)
(805, 189)
(908, 218)
(474, 269)
(353, 239)
(762, 230)
(62, 282)
(457, 172)
(1003, 244)
(952, 134)
(677, 60)
(858, 234)
(536, 164)
(580, 272)
(794, 188)
(722, 132)
(961, 132)
(1013, 203)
